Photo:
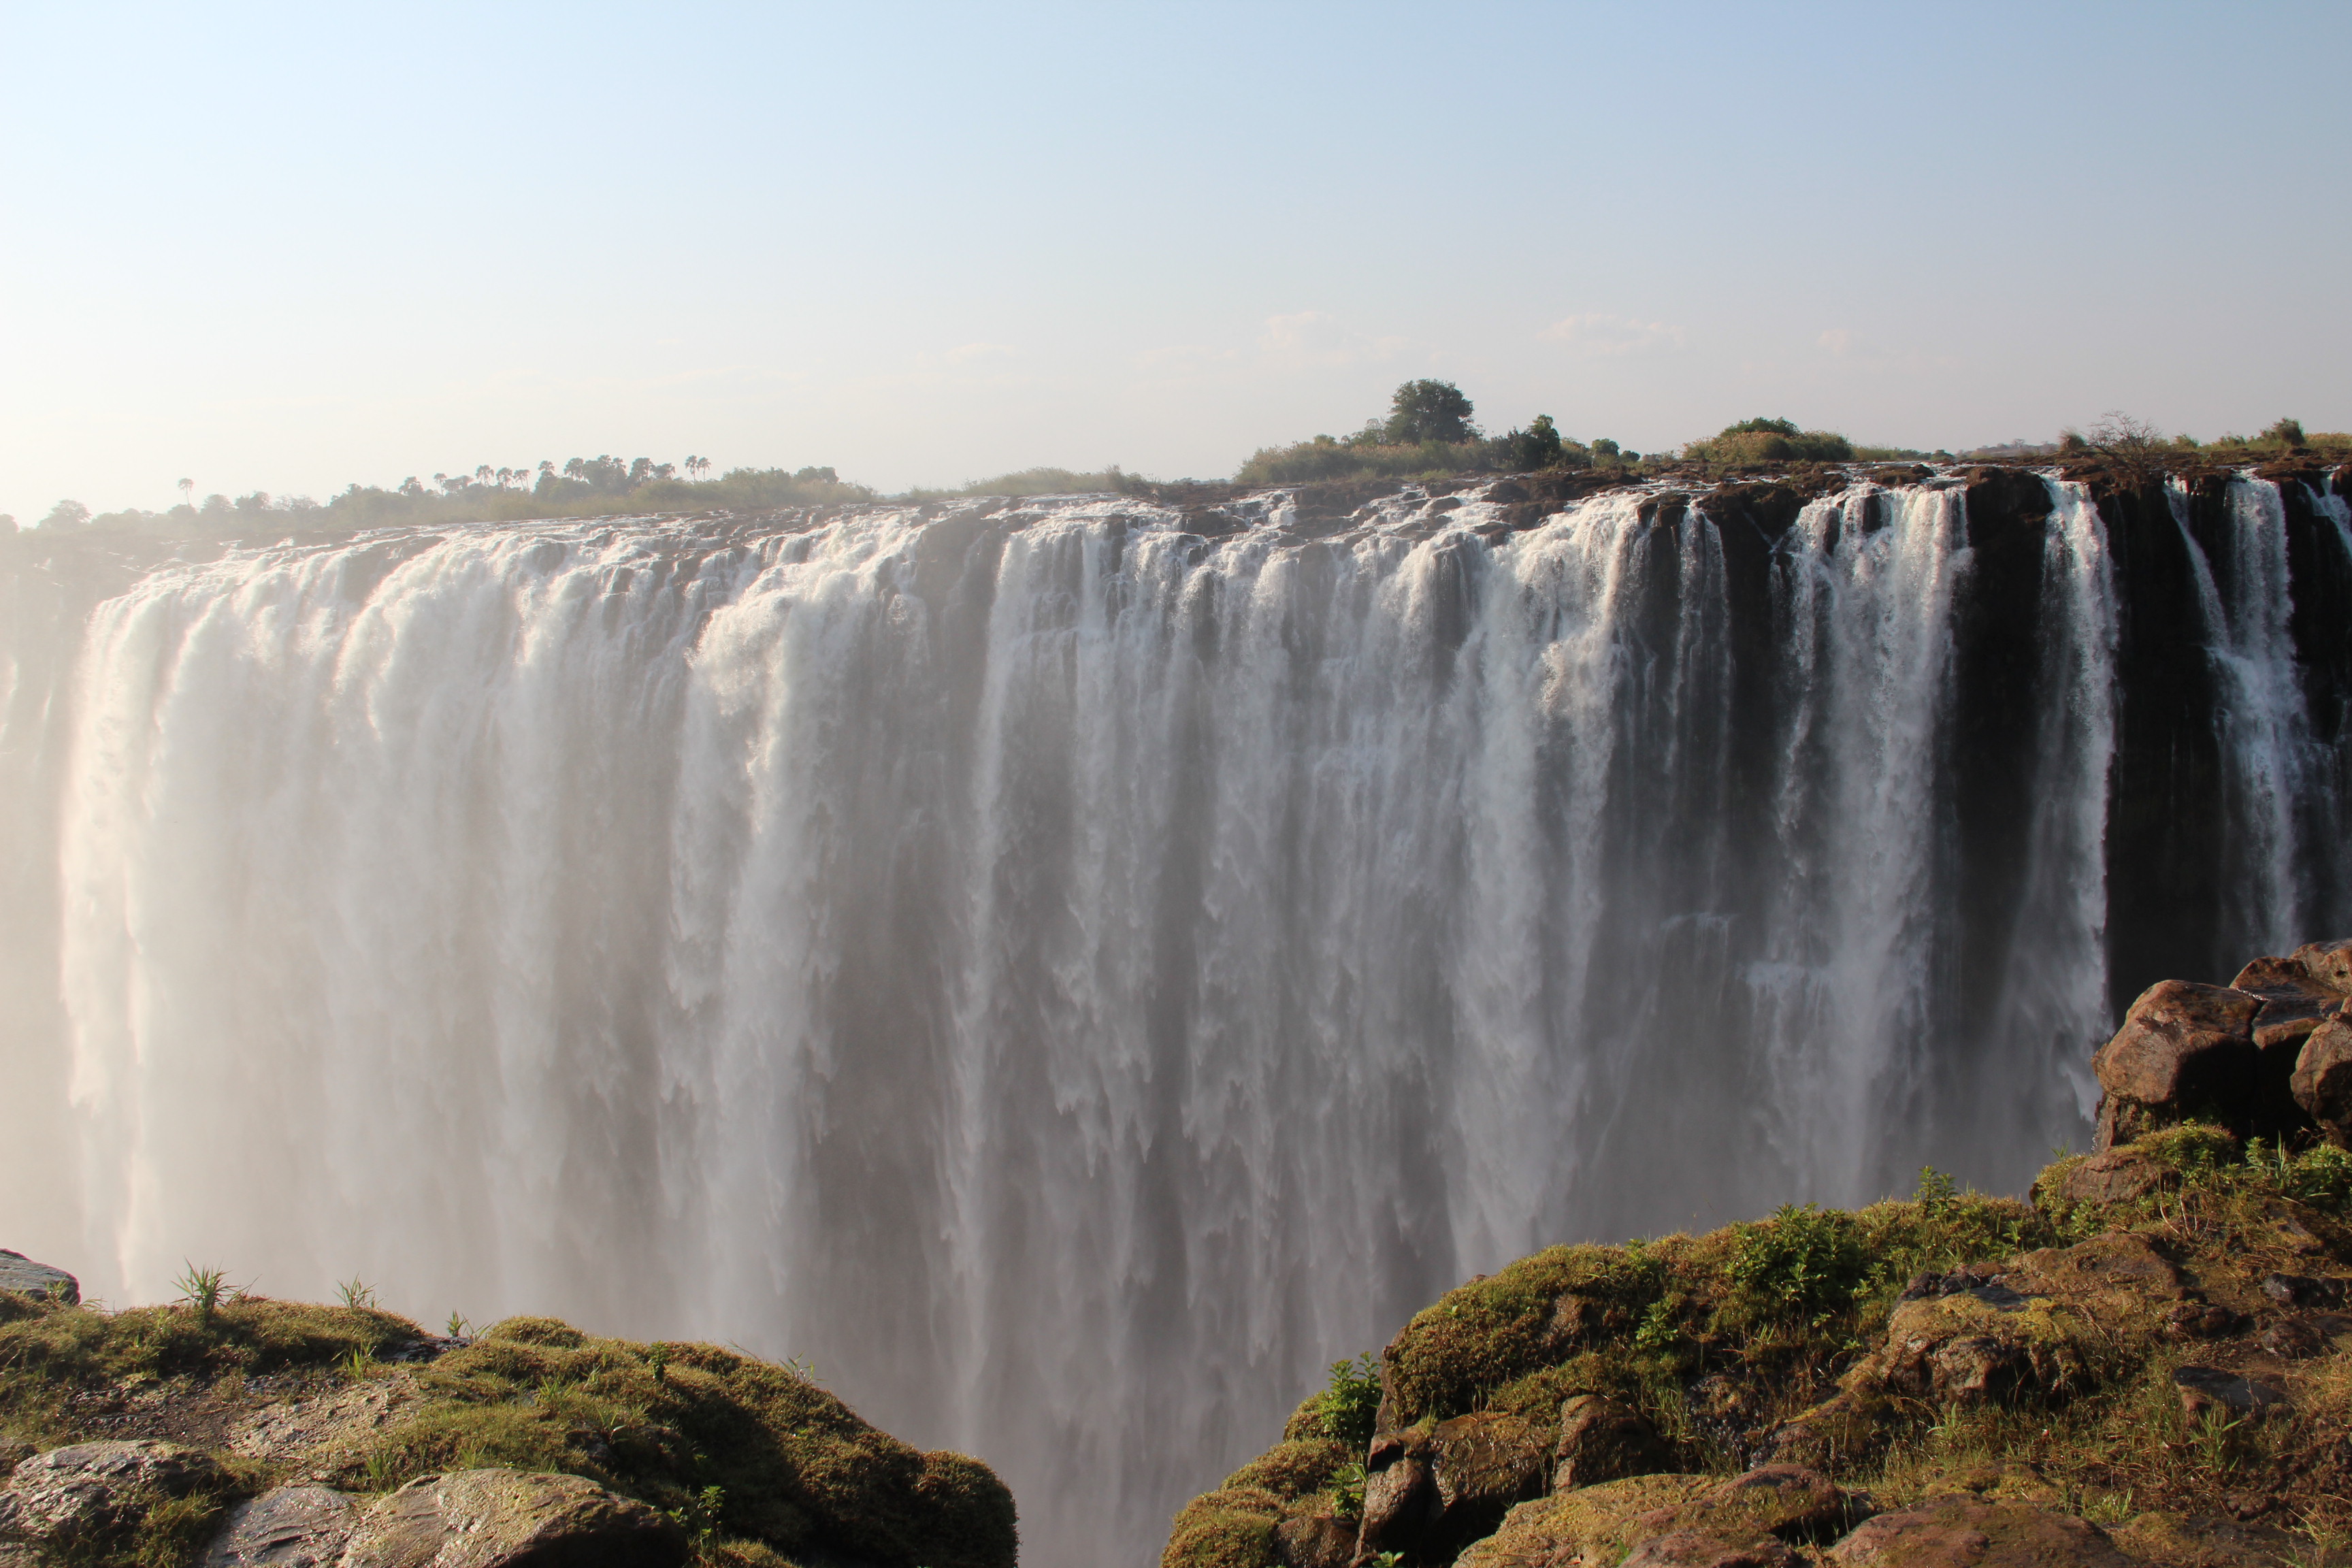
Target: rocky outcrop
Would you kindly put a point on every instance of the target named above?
(2266, 1055)
(79, 1497)
(285, 1527)
(1602, 1440)
(511, 1519)
(18, 1272)
(1964, 1532)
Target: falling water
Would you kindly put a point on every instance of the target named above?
(1068, 969)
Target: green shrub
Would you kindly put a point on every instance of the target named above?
(1804, 1260)
(1351, 1402)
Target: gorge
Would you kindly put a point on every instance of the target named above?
(1069, 968)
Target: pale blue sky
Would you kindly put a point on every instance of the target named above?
(292, 246)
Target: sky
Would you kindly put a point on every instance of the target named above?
(293, 248)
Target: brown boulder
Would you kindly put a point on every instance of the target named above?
(2322, 1082)
(1314, 1541)
(1961, 1532)
(2117, 1177)
(2183, 1049)
(1401, 1503)
(1701, 1548)
(1601, 1440)
(72, 1495)
(1484, 1462)
(2328, 963)
(290, 1527)
(512, 1519)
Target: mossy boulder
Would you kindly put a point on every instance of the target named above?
(745, 1456)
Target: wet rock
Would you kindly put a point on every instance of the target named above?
(18, 1272)
(290, 1526)
(71, 1495)
(2322, 1081)
(1700, 1549)
(512, 1519)
(1962, 1532)
(2203, 1388)
(2184, 1049)
(1601, 1440)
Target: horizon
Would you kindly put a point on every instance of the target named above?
(274, 250)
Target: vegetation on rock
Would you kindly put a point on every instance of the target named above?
(756, 1463)
(2155, 1364)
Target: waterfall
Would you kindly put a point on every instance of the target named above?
(1070, 969)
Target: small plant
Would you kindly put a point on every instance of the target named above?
(698, 1515)
(203, 1289)
(1661, 1325)
(2214, 1439)
(459, 1326)
(1936, 1192)
(1348, 1490)
(657, 1358)
(1351, 1402)
(355, 1295)
(357, 1362)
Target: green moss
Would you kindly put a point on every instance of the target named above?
(1225, 1528)
(1291, 1469)
(794, 1469)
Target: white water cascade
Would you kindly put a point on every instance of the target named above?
(1065, 971)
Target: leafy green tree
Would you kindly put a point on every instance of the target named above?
(1536, 447)
(66, 514)
(1425, 411)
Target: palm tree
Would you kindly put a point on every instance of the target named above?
(187, 492)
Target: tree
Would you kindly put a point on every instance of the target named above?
(2286, 433)
(1425, 411)
(66, 514)
(1536, 447)
(187, 492)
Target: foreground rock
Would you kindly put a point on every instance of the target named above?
(2267, 1056)
(1963, 1533)
(18, 1272)
(290, 1527)
(80, 1495)
(294, 1435)
(2150, 1362)
(508, 1519)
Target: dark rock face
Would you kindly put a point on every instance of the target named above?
(18, 1272)
(2203, 1388)
(1601, 1440)
(512, 1519)
(2322, 1080)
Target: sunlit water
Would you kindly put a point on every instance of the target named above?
(1065, 977)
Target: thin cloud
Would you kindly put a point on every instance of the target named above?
(1600, 334)
(971, 352)
(1312, 338)
(1837, 341)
